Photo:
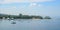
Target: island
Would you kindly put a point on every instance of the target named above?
(21, 16)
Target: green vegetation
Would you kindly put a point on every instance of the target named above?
(20, 16)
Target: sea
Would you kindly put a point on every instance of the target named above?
(30, 24)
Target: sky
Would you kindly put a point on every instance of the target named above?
(30, 7)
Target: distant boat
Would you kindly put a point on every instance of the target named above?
(13, 23)
(10, 18)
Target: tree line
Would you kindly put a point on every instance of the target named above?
(20, 16)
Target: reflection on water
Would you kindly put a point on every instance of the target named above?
(29, 24)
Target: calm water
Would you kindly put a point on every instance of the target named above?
(29, 24)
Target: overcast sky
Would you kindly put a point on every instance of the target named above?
(30, 7)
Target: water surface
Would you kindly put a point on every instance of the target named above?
(29, 24)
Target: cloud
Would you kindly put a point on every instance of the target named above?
(35, 4)
(20, 1)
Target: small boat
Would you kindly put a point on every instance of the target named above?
(13, 23)
(8, 18)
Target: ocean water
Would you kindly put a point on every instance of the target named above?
(30, 24)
